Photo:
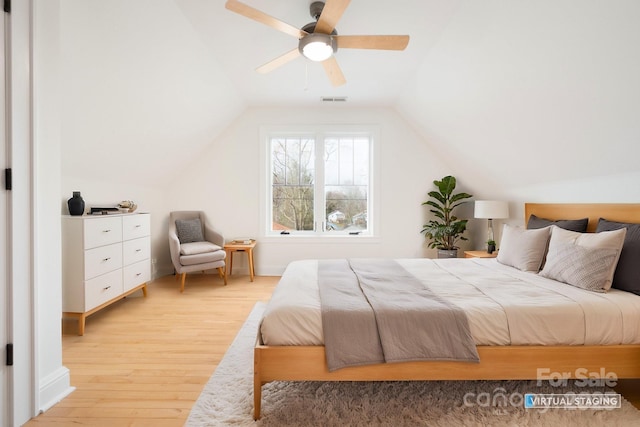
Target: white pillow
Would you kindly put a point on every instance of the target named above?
(523, 249)
(584, 260)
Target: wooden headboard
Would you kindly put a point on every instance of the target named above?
(620, 212)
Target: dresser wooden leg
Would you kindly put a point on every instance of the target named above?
(81, 323)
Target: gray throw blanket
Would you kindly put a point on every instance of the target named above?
(374, 311)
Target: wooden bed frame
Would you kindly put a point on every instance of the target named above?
(308, 363)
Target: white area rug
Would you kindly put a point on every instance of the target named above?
(227, 399)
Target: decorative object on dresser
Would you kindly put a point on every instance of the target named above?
(104, 259)
(194, 245)
(444, 232)
(76, 204)
(490, 210)
(128, 206)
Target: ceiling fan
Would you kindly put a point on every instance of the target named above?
(318, 40)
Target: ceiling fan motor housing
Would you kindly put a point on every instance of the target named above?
(311, 28)
(315, 9)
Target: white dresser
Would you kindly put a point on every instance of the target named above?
(104, 258)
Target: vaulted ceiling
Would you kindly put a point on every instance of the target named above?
(373, 77)
(524, 92)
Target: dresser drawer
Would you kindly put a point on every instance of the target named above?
(102, 260)
(136, 250)
(136, 274)
(102, 231)
(102, 289)
(135, 226)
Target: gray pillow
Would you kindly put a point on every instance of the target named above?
(579, 225)
(627, 275)
(189, 230)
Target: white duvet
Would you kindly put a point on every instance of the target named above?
(505, 306)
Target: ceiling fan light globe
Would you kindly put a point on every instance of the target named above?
(317, 47)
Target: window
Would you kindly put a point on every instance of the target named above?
(319, 182)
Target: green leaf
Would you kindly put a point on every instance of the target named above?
(444, 231)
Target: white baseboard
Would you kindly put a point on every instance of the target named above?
(54, 388)
(275, 270)
(271, 271)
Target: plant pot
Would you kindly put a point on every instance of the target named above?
(491, 249)
(447, 253)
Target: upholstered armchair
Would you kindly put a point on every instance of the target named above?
(194, 245)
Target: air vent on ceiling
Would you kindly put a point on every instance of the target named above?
(334, 99)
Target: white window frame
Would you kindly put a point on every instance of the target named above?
(319, 132)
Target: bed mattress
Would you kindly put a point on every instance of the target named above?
(505, 306)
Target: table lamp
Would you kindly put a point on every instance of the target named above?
(491, 209)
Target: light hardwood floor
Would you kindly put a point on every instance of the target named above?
(144, 361)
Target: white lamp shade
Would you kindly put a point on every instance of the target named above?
(491, 209)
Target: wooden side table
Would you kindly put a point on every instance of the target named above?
(235, 246)
(480, 254)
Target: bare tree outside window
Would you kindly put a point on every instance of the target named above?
(293, 181)
(340, 203)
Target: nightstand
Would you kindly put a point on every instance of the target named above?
(237, 246)
(480, 254)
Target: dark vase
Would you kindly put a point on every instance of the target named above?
(491, 249)
(76, 204)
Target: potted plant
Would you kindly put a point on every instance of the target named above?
(446, 229)
(491, 246)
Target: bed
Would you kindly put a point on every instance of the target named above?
(499, 359)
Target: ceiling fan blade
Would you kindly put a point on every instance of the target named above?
(333, 71)
(372, 42)
(279, 61)
(263, 18)
(331, 14)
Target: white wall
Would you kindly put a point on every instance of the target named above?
(141, 97)
(22, 318)
(225, 183)
(517, 93)
(139, 87)
(534, 101)
(53, 379)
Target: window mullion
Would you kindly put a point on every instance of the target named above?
(319, 193)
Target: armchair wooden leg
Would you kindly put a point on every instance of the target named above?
(222, 274)
(183, 279)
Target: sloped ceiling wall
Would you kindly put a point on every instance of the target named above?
(142, 96)
(522, 93)
(509, 94)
